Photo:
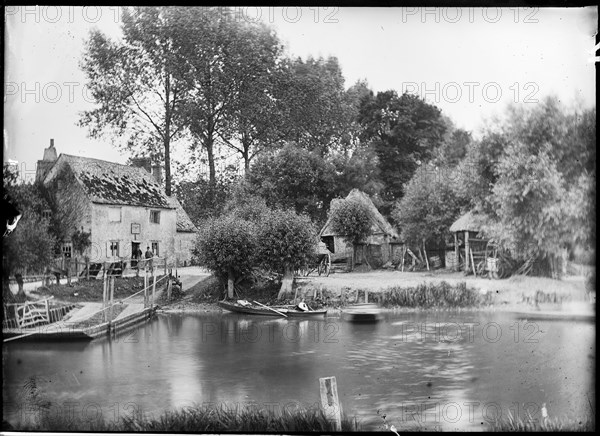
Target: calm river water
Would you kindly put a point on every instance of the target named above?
(449, 370)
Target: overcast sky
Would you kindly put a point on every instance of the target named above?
(470, 62)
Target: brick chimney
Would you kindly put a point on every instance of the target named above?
(157, 173)
(142, 162)
(44, 165)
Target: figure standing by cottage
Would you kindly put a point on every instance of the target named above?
(149, 255)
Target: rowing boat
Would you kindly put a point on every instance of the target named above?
(269, 311)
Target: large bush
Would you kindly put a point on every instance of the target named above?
(227, 246)
(286, 242)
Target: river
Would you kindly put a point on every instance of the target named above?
(437, 370)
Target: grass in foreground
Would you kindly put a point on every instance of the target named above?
(550, 424)
(212, 418)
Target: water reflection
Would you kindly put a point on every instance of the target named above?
(436, 370)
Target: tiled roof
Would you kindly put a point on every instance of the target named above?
(113, 183)
(184, 223)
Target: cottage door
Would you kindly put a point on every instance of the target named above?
(135, 246)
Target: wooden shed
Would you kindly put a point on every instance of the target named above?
(467, 232)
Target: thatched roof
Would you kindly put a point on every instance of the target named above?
(379, 224)
(470, 221)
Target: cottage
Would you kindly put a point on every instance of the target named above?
(124, 207)
(378, 247)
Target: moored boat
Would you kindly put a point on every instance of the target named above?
(362, 313)
(250, 309)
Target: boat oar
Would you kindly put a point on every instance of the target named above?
(270, 308)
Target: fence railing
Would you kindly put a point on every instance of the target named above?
(84, 268)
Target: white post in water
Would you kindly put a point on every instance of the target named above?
(153, 286)
(145, 286)
(330, 401)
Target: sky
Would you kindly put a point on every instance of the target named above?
(470, 62)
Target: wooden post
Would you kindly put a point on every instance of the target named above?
(403, 255)
(153, 286)
(68, 271)
(366, 296)
(165, 265)
(169, 285)
(466, 251)
(330, 401)
(112, 297)
(47, 310)
(473, 263)
(77, 268)
(104, 294)
(145, 286)
(456, 253)
(87, 268)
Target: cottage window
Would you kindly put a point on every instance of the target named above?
(155, 216)
(114, 214)
(114, 248)
(46, 214)
(155, 248)
(67, 249)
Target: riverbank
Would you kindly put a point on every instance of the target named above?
(409, 291)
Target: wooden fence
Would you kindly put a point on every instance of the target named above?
(32, 313)
(84, 268)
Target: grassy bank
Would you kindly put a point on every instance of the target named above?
(213, 418)
(548, 424)
(432, 295)
(91, 290)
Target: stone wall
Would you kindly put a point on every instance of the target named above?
(105, 231)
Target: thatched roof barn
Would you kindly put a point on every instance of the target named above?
(381, 235)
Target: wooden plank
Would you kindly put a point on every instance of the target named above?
(330, 401)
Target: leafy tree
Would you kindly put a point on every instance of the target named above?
(312, 102)
(360, 171)
(134, 83)
(429, 207)
(246, 205)
(225, 64)
(227, 245)
(287, 242)
(294, 178)
(351, 219)
(202, 199)
(542, 201)
(454, 148)
(403, 131)
(31, 245)
(81, 241)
